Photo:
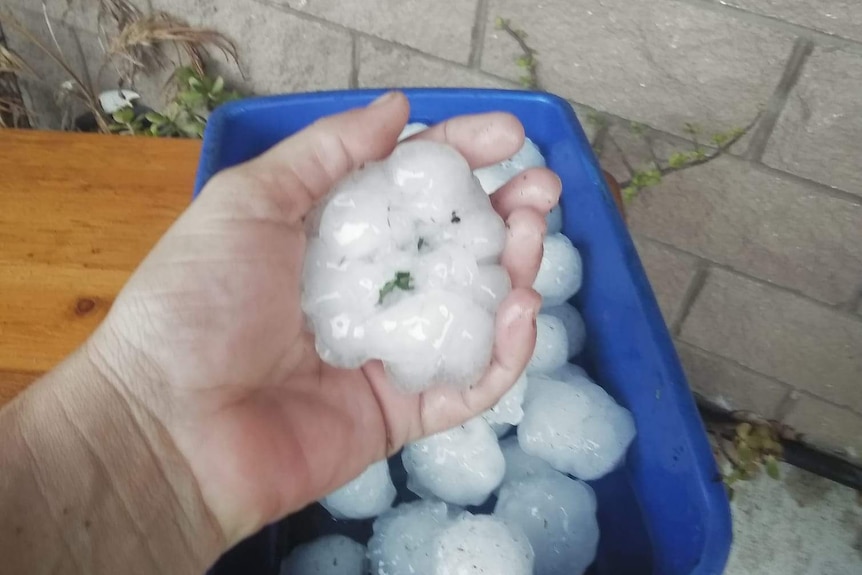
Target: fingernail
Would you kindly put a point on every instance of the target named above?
(388, 96)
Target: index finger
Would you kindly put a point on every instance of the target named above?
(483, 139)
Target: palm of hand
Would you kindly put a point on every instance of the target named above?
(214, 311)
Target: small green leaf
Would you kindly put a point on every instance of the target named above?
(771, 467)
(218, 86)
(154, 118)
(629, 193)
(743, 429)
(678, 160)
(746, 454)
(500, 23)
(402, 281)
(124, 115)
(523, 61)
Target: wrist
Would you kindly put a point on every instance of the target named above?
(112, 484)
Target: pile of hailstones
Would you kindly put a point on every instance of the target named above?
(403, 265)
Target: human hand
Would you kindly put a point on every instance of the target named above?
(207, 337)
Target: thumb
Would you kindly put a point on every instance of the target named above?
(300, 170)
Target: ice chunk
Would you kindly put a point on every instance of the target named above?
(576, 331)
(462, 465)
(366, 496)
(492, 178)
(401, 266)
(552, 345)
(554, 219)
(432, 180)
(568, 371)
(482, 545)
(519, 465)
(334, 284)
(401, 543)
(328, 555)
(433, 334)
(508, 409)
(491, 286)
(482, 233)
(412, 129)
(355, 222)
(501, 429)
(576, 427)
(558, 514)
(559, 276)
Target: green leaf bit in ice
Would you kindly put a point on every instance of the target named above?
(402, 281)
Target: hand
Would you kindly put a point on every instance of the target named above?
(207, 337)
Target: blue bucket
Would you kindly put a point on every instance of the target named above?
(666, 511)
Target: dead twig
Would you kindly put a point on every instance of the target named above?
(141, 42)
(76, 86)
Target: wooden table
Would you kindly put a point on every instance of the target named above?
(78, 212)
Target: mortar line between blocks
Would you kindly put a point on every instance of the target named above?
(840, 309)
(786, 405)
(717, 356)
(694, 289)
(772, 379)
(477, 40)
(802, 48)
(821, 188)
(353, 81)
(778, 24)
(360, 34)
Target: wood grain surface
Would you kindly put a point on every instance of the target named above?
(78, 212)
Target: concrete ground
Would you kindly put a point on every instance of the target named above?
(756, 257)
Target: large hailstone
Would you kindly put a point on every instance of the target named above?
(402, 265)
(519, 465)
(492, 178)
(575, 426)
(559, 276)
(508, 410)
(482, 545)
(368, 495)
(401, 543)
(462, 465)
(576, 330)
(558, 514)
(328, 555)
(552, 345)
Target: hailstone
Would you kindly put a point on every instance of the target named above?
(576, 331)
(519, 465)
(552, 345)
(575, 426)
(462, 465)
(368, 495)
(559, 276)
(328, 555)
(403, 265)
(401, 543)
(493, 177)
(482, 545)
(558, 514)
(508, 409)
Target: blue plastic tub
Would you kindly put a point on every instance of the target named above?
(665, 512)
